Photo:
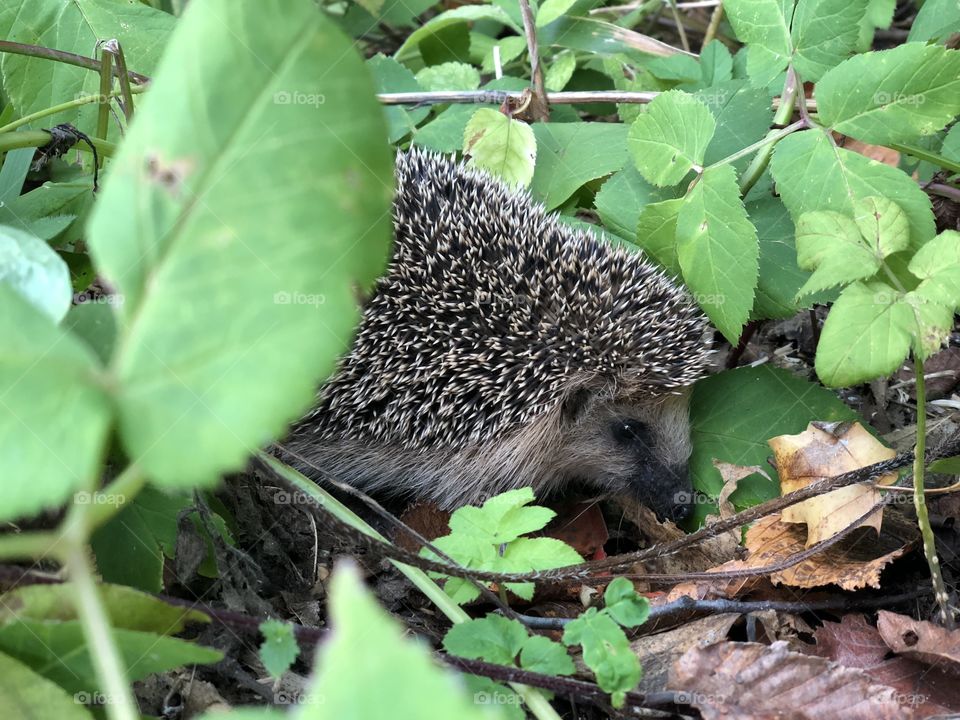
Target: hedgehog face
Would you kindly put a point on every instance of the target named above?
(639, 448)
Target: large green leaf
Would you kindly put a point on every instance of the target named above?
(76, 26)
(569, 155)
(53, 413)
(937, 19)
(33, 269)
(893, 95)
(812, 173)
(248, 201)
(814, 35)
(717, 250)
(26, 695)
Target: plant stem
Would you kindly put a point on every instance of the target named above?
(756, 169)
(772, 137)
(106, 88)
(28, 545)
(678, 20)
(39, 138)
(920, 502)
(930, 157)
(110, 668)
(539, 109)
(63, 57)
(104, 504)
(714, 25)
(86, 100)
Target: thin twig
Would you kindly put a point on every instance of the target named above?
(715, 19)
(538, 108)
(64, 57)
(679, 21)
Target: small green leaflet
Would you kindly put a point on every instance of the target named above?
(937, 264)
(498, 640)
(33, 269)
(503, 146)
(279, 647)
(449, 76)
(670, 138)
(893, 95)
(606, 651)
(657, 233)
(624, 605)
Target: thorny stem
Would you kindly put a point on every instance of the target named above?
(920, 502)
(756, 169)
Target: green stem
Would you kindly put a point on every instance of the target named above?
(110, 669)
(106, 88)
(787, 98)
(6, 46)
(28, 545)
(930, 157)
(774, 136)
(714, 25)
(534, 699)
(679, 21)
(39, 138)
(86, 100)
(920, 502)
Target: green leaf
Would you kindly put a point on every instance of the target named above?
(543, 655)
(743, 115)
(763, 27)
(670, 138)
(893, 95)
(716, 64)
(622, 198)
(493, 639)
(391, 76)
(560, 70)
(936, 20)
(401, 670)
(867, 334)
(448, 76)
(33, 84)
(16, 163)
(410, 50)
(624, 605)
(882, 224)
(937, 264)
(25, 694)
(657, 233)
(734, 413)
(279, 647)
(717, 250)
(951, 144)
(502, 518)
(531, 554)
(831, 245)
(501, 145)
(812, 173)
(550, 10)
(47, 210)
(569, 155)
(55, 417)
(606, 652)
(208, 232)
(31, 268)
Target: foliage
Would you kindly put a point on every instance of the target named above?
(279, 647)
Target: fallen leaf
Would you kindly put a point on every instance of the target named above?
(824, 450)
(731, 475)
(749, 681)
(921, 640)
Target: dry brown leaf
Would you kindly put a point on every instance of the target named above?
(875, 152)
(733, 474)
(852, 563)
(921, 640)
(824, 450)
(855, 643)
(748, 681)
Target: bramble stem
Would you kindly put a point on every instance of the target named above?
(920, 502)
(787, 98)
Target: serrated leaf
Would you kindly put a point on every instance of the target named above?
(543, 655)
(530, 554)
(867, 334)
(569, 155)
(936, 20)
(882, 224)
(448, 76)
(391, 76)
(222, 381)
(743, 115)
(657, 233)
(55, 414)
(717, 250)
(812, 173)
(937, 264)
(716, 64)
(503, 146)
(493, 638)
(892, 95)
(830, 244)
(622, 198)
(624, 605)
(501, 519)
(606, 652)
(279, 647)
(670, 138)
(31, 268)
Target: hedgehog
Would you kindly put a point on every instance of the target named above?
(505, 348)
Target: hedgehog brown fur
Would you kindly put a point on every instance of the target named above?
(503, 348)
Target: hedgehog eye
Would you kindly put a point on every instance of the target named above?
(630, 431)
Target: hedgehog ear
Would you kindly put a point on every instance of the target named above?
(574, 403)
